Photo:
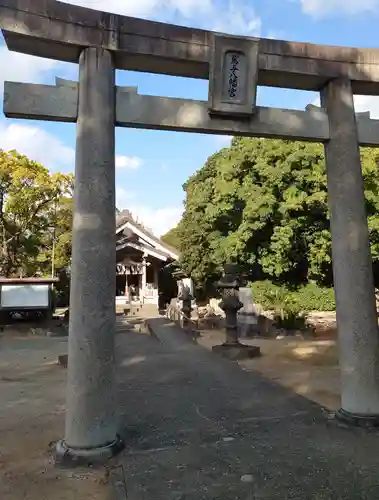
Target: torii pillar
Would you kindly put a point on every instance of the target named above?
(91, 423)
(357, 322)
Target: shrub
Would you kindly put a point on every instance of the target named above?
(291, 307)
(310, 297)
(266, 293)
(315, 298)
(290, 321)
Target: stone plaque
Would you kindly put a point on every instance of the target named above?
(233, 75)
(234, 69)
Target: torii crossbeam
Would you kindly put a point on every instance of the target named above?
(60, 103)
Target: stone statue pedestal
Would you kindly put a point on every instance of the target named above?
(237, 352)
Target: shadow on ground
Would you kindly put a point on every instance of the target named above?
(199, 427)
(308, 367)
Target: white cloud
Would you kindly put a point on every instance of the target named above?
(23, 68)
(160, 220)
(276, 35)
(363, 103)
(41, 146)
(128, 162)
(238, 18)
(229, 16)
(123, 197)
(38, 145)
(144, 8)
(367, 103)
(223, 140)
(321, 8)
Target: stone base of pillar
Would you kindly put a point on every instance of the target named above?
(237, 351)
(357, 420)
(76, 457)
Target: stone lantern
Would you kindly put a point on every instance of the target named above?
(229, 285)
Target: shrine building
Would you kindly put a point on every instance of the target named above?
(140, 257)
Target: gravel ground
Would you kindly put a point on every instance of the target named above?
(32, 419)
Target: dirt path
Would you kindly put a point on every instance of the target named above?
(32, 419)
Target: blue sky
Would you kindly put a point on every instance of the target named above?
(153, 165)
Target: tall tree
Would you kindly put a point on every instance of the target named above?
(31, 199)
(172, 237)
(263, 204)
(55, 245)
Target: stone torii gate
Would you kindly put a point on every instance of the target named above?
(101, 43)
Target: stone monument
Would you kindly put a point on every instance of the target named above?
(247, 315)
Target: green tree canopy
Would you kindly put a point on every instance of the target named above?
(263, 204)
(172, 237)
(35, 216)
